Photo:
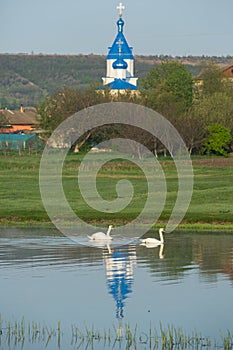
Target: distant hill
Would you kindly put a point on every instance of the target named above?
(27, 79)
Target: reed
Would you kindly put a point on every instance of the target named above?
(22, 334)
(228, 341)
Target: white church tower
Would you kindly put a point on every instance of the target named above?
(120, 61)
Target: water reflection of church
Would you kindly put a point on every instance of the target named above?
(119, 273)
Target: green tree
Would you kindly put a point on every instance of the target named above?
(169, 82)
(218, 140)
(211, 79)
(215, 108)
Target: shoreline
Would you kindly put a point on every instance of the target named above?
(218, 226)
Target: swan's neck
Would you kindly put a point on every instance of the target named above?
(109, 249)
(161, 235)
(109, 230)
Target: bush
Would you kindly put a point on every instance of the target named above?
(218, 140)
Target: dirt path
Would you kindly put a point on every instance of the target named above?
(217, 162)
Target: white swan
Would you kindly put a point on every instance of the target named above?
(154, 241)
(101, 236)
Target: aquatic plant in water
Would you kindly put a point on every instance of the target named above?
(23, 335)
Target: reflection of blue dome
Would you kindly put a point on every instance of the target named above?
(119, 63)
(120, 24)
(120, 283)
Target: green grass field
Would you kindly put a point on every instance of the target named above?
(211, 205)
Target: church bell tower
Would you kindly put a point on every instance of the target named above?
(120, 61)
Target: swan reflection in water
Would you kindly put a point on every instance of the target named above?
(161, 248)
(119, 273)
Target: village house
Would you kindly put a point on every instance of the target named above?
(14, 121)
(228, 72)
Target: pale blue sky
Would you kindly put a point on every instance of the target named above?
(174, 27)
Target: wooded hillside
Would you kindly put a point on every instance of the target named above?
(27, 78)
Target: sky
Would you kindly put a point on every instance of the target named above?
(152, 27)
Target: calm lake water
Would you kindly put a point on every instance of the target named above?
(46, 278)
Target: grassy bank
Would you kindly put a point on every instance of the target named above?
(211, 205)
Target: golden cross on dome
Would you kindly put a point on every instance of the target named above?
(121, 7)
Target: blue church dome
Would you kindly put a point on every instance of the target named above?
(126, 51)
(120, 64)
(120, 84)
(120, 24)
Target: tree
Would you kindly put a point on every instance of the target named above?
(66, 102)
(211, 79)
(59, 106)
(169, 81)
(215, 108)
(192, 130)
(55, 109)
(218, 140)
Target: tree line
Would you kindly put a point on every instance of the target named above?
(201, 109)
(28, 78)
